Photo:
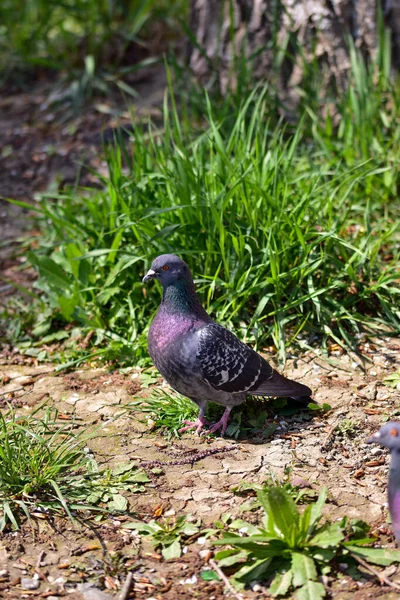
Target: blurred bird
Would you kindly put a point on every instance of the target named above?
(389, 437)
(201, 359)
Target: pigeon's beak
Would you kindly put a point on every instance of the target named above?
(375, 438)
(149, 275)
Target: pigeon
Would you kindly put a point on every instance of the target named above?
(201, 359)
(389, 437)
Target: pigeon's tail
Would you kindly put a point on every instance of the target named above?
(277, 385)
(304, 400)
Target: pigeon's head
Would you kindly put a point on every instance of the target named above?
(168, 269)
(388, 436)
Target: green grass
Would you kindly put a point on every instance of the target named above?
(93, 46)
(292, 232)
(46, 470)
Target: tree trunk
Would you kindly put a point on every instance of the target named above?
(283, 39)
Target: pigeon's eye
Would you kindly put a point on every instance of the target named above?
(165, 268)
(394, 432)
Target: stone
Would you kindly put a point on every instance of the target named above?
(28, 583)
(90, 592)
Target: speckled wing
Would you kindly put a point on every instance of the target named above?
(229, 365)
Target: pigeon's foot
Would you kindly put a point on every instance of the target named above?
(197, 425)
(222, 423)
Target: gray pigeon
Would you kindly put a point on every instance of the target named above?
(389, 437)
(201, 359)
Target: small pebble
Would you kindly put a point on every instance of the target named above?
(189, 581)
(3, 573)
(201, 541)
(29, 584)
(256, 587)
(376, 451)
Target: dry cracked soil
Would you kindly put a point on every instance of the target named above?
(198, 475)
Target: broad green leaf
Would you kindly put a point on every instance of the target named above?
(312, 590)
(224, 553)
(316, 507)
(327, 536)
(94, 497)
(392, 380)
(72, 252)
(123, 468)
(232, 559)
(67, 306)
(190, 528)
(281, 583)
(323, 554)
(209, 576)
(118, 502)
(304, 523)
(51, 272)
(283, 510)
(303, 568)
(254, 544)
(140, 527)
(172, 551)
(85, 270)
(140, 477)
(377, 556)
(258, 571)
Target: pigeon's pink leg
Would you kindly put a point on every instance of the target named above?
(198, 425)
(222, 423)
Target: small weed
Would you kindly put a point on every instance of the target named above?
(393, 380)
(300, 492)
(44, 468)
(168, 533)
(348, 427)
(292, 549)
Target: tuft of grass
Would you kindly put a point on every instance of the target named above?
(45, 468)
(167, 411)
(290, 549)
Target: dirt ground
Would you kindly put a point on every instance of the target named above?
(198, 474)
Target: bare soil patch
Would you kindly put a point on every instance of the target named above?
(198, 475)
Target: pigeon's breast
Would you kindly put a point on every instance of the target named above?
(173, 342)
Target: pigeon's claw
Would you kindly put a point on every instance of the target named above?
(197, 425)
(222, 424)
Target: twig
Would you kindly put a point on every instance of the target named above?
(226, 581)
(329, 434)
(382, 578)
(40, 558)
(127, 587)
